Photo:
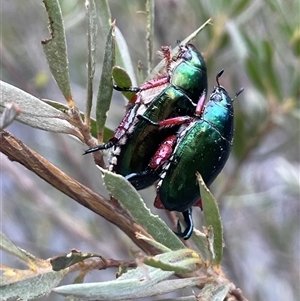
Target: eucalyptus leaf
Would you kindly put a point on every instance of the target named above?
(105, 86)
(129, 289)
(122, 79)
(180, 261)
(123, 56)
(92, 46)
(8, 246)
(201, 241)
(122, 190)
(212, 218)
(137, 283)
(55, 49)
(31, 285)
(104, 15)
(214, 292)
(35, 112)
(150, 8)
(63, 261)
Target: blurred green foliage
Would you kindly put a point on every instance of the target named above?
(257, 43)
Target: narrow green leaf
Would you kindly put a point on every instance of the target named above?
(31, 285)
(180, 261)
(122, 53)
(150, 32)
(133, 284)
(239, 7)
(201, 241)
(8, 246)
(106, 85)
(123, 56)
(295, 41)
(251, 47)
(104, 15)
(63, 261)
(137, 283)
(212, 218)
(154, 243)
(254, 72)
(35, 112)
(55, 49)
(122, 190)
(237, 40)
(92, 46)
(270, 73)
(214, 292)
(122, 79)
(126, 290)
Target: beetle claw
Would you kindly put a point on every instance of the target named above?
(186, 234)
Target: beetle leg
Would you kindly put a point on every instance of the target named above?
(99, 147)
(147, 85)
(170, 122)
(163, 153)
(143, 179)
(186, 234)
(147, 177)
(199, 204)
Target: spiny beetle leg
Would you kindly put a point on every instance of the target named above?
(99, 147)
(128, 89)
(146, 86)
(170, 122)
(163, 153)
(200, 104)
(186, 234)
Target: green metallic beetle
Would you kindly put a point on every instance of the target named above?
(203, 145)
(135, 141)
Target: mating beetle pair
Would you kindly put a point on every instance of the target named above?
(176, 94)
(202, 145)
(146, 147)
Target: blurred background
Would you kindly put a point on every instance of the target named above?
(258, 45)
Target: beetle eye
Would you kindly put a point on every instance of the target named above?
(187, 56)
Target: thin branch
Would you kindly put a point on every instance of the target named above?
(18, 151)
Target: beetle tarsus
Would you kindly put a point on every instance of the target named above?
(128, 89)
(186, 234)
(99, 147)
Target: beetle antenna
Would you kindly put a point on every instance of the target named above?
(218, 76)
(238, 93)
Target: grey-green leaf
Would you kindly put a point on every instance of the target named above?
(40, 284)
(122, 190)
(92, 46)
(138, 283)
(55, 49)
(35, 112)
(106, 85)
(212, 218)
(214, 292)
